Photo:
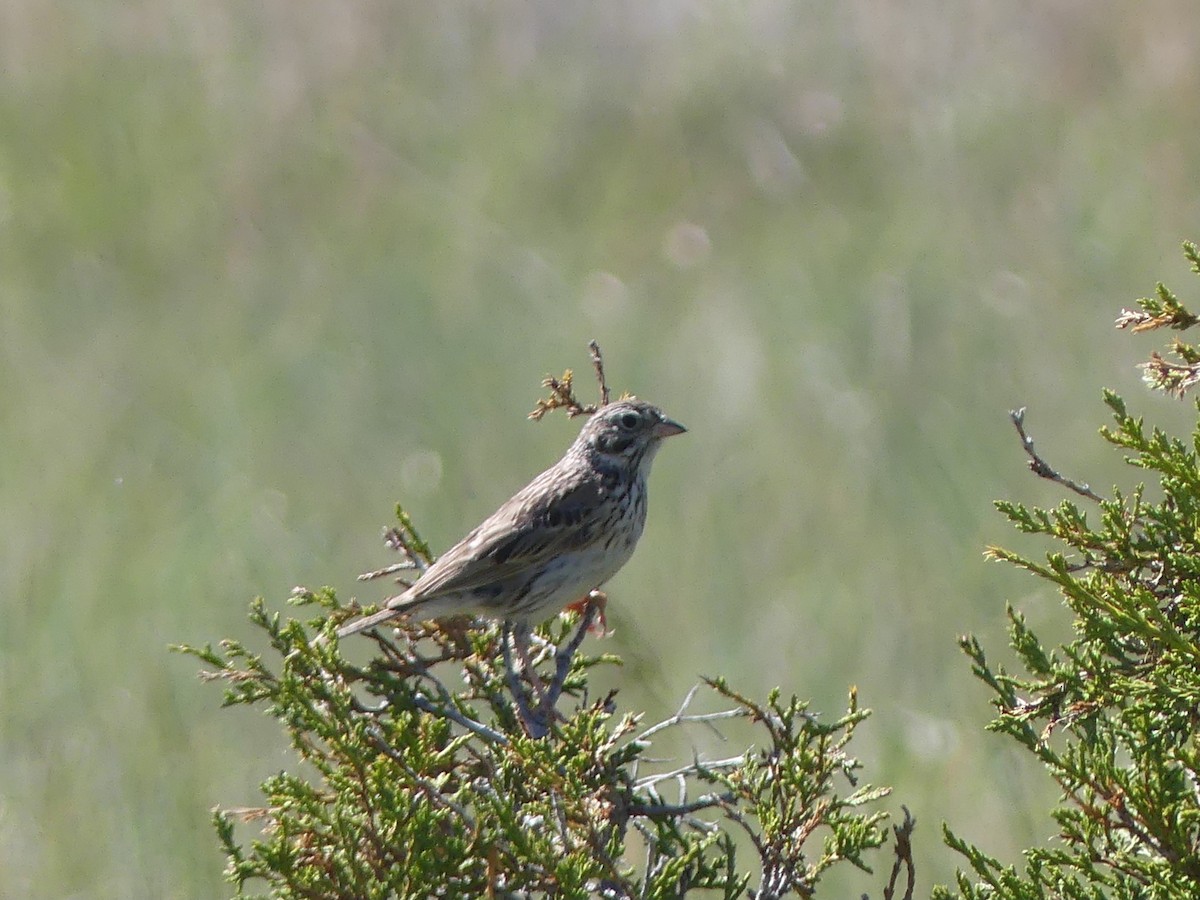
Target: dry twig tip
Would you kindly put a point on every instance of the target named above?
(562, 391)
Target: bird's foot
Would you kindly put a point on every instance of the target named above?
(598, 601)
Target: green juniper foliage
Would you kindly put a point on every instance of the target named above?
(414, 788)
(1112, 715)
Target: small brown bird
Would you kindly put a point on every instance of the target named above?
(564, 534)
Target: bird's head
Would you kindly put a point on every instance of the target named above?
(628, 432)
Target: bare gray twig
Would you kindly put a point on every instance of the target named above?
(1040, 467)
(705, 801)
(519, 694)
(691, 769)
(681, 717)
(448, 712)
(563, 657)
(387, 570)
(398, 540)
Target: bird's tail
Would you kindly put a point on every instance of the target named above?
(368, 622)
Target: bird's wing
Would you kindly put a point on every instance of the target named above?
(551, 515)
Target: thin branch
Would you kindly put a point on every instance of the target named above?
(519, 694)
(252, 813)
(413, 560)
(681, 717)
(444, 707)
(691, 769)
(560, 818)
(538, 721)
(387, 570)
(401, 541)
(448, 712)
(598, 365)
(734, 815)
(1040, 467)
(564, 656)
(903, 852)
(707, 801)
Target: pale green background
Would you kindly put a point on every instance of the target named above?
(268, 267)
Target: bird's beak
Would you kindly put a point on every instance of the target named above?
(668, 427)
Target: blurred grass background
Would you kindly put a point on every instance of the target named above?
(267, 268)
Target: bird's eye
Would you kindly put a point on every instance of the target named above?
(629, 420)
